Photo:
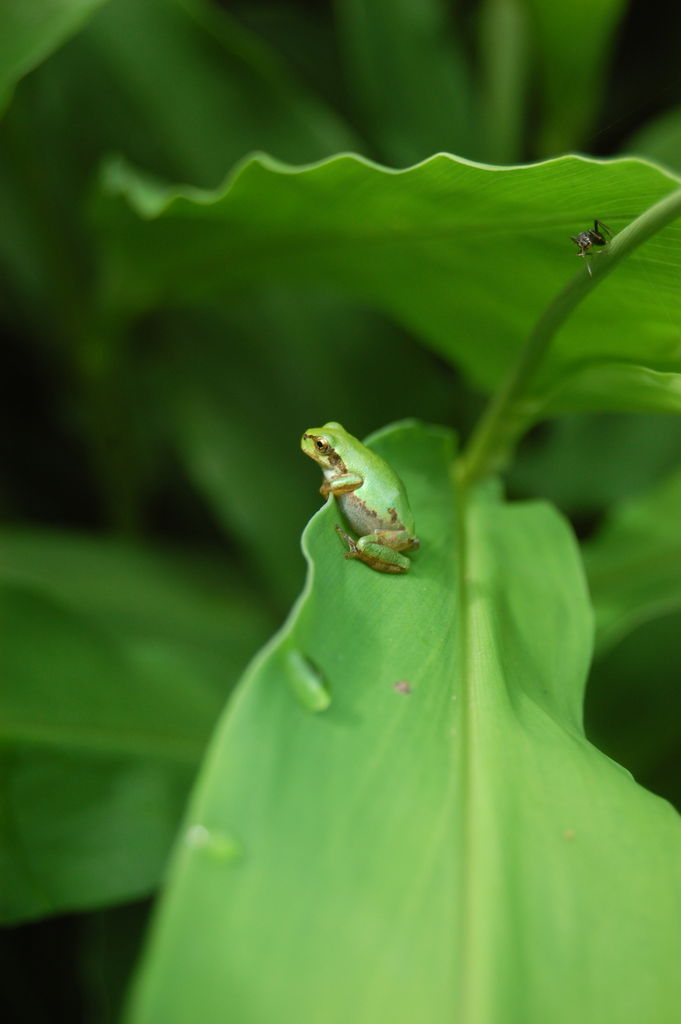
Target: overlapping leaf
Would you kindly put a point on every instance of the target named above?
(571, 44)
(31, 29)
(465, 255)
(398, 55)
(634, 564)
(178, 86)
(115, 662)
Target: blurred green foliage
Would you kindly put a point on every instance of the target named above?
(151, 489)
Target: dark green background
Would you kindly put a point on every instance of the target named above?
(134, 447)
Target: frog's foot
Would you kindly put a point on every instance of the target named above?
(377, 556)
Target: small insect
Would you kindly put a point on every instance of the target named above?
(586, 240)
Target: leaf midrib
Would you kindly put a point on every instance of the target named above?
(474, 982)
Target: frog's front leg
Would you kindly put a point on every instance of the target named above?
(381, 550)
(342, 484)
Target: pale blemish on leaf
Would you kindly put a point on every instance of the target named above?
(215, 842)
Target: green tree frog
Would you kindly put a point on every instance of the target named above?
(371, 496)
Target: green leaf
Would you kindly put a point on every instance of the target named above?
(30, 30)
(634, 564)
(585, 463)
(466, 256)
(115, 663)
(189, 602)
(571, 46)
(660, 140)
(442, 843)
(399, 56)
(237, 93)
(612, 386)
(178, 87)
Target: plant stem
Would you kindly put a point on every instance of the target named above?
(510, 411)
(504, 47)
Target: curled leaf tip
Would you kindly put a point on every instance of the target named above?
(307, 682)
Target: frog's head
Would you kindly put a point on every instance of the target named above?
(324, 445)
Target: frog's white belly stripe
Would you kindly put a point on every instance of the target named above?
(362, 520)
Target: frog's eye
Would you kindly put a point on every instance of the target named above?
(322, 446)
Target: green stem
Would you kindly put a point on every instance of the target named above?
(503, 60)
(511, 410)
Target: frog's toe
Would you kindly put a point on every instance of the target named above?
(352, 547)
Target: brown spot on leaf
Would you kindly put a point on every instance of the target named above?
(402, 686)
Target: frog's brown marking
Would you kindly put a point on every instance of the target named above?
(332, 455)
(366, 520)
(392, 512)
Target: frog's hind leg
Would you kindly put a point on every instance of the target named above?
(377, 556)
(398, 540)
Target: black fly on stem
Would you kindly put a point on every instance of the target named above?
(586, 240)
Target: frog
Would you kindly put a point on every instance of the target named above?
(371, 496)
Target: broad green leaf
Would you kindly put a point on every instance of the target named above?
(305, 37)
(236, 93)
(96, 761)
(115, 663)
(571, 46)
(660, 140)
(634, 564)
(30, 30)
(442, 843)
(585, 463)
(466, 256)
(611, 386)
(194, 604)
(407, 72)
(178, 87)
